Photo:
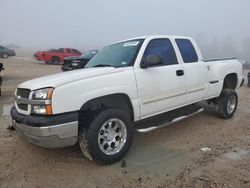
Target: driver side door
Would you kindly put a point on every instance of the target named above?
(161, 87)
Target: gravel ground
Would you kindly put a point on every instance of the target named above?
(169, 157)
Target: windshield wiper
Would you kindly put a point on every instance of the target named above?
(102, 65)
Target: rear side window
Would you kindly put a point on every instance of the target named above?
(187, 50)
(68, 51)
(164, 48)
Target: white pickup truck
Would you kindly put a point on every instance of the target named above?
(127, 86)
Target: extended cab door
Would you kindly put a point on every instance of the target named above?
(161, 87)
(195, 69)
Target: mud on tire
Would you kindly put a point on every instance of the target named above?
(226, 103)
(106, 136)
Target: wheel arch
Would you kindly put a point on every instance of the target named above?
(119, 100)
(230, 81)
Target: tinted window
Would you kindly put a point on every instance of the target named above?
(53, 50)
(68, 51)
(187, 50)
(162, 47)
(61, 50)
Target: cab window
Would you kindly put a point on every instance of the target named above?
(187, 50)
(164, 48)
(68, 51)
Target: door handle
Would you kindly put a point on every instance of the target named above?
(179, 72)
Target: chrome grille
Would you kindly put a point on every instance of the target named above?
(24, 94)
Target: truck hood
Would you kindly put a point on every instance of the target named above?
(74, 58)
(58, 79)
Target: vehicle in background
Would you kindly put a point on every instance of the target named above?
(71, 63)
(6, 52)
(55, 56)
(1, 80)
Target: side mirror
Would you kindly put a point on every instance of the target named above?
(152, 60)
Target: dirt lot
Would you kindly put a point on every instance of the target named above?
(170, 157)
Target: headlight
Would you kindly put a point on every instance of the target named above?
(42, 94)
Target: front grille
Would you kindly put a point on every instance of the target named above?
(23, 106)
(23, 93)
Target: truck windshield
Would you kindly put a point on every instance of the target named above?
(121, 54)
(89, 54)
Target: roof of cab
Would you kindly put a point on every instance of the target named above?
(154, 36)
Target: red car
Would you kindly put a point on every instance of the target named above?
(55, 56)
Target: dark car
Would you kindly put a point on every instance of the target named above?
(1, 68)
(6, 52)
(71, 63)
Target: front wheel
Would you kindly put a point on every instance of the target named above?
(5, 55)
(55, 60)
(226, 103)
(107, 136)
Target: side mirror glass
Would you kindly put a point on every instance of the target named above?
(152, 60)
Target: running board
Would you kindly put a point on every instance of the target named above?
(151, 125)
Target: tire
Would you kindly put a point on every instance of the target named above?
(55, 60)
(226, 103)
(106, 136)
(4, 55)
(66, 67)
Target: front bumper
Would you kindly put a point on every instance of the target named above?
(43, 132)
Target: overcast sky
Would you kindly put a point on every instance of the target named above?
(94, 23)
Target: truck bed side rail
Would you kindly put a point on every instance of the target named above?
(218, 59)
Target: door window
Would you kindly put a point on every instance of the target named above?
(69, 51)
(164, 48)
(61, 50)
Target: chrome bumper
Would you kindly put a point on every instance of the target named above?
(54, 136)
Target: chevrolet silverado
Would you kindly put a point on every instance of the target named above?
(138, 84)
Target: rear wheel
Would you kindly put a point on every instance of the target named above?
(226, 103)
(107, 136)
